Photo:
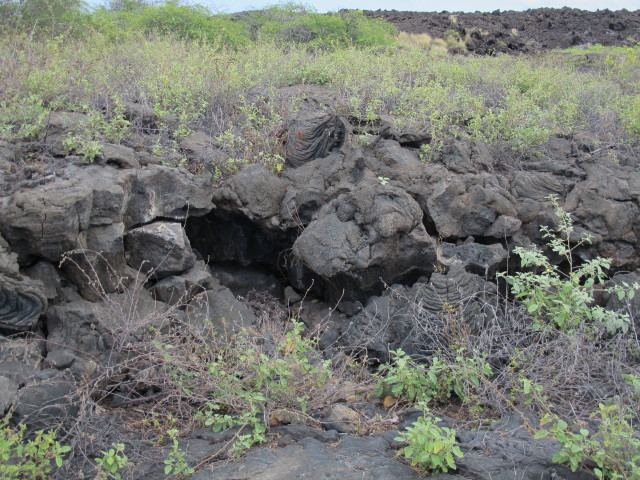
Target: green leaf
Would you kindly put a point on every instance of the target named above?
(532, 308)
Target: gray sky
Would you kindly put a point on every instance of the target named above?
(229, 6)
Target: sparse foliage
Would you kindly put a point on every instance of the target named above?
(565, 300)
(613, 447)
(28, 458)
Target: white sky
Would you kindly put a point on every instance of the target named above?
(229, 6)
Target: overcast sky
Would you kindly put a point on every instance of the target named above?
(229, 6)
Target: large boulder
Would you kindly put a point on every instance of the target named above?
(254, 191)
(49, 401)
(468, 205)
(180, 289)
(606, 204)
(220, 309)
(484, 260)
(20, 359)
(159, 249)
(361, 240)
(168, 193)
(48, 221)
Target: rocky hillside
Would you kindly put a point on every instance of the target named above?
(528, 31)
(367, 244)
(313, 258)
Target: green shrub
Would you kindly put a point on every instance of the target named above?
(48, 17)
(430, 447)
(404, 378)
(34, 458)
(187, 22)
(89, 140)
(23, 118)
(248, 384)
(295, 23)
(113, 461)
(630, 115)
(614, 447)
(175, 463)
(565, 300)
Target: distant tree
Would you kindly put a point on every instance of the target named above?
(41, 14)
(128, 5)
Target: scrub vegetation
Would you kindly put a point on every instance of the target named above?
(194, 70)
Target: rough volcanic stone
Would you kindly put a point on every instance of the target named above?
(220, 308)
(367, 458)
(48, 401)
(313, 136)
(8, 390)
(254, 191)
(480, 259)
(180, 289)
(342, 419)
(48, 221)
(159, 249)
(22, 300)
(88, 331)
(371, 234)
(119, 156)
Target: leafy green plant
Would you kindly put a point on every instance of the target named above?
(634, 382)
(89, 140)
(431, 447)
(112, 461)
(175, 463)
(614, 447)
(406, 379)
(565, 300)
(249, 384)
(89, 149)
(402, 379)
(34, 458)
(291, 22)
(23, 118)
(44, 16)
(426, 151)
(630, 115)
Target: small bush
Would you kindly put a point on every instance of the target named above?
(430, 447)
(297, 24)
(613, 447)
(47, 17)
(113, 461)
(237, 383)
(404, 378)
(566, 300)
(33, 458)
